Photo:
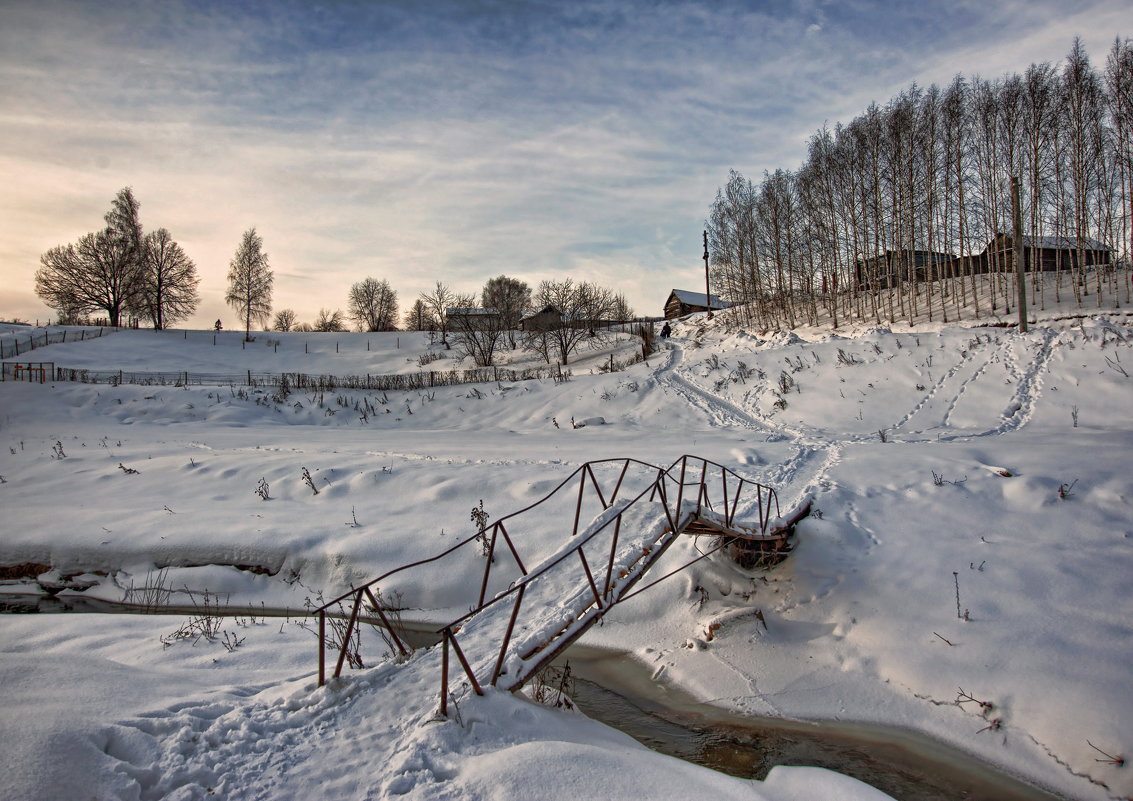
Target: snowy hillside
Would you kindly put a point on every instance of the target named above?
(972, 539)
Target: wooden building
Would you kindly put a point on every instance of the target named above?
(473, 319)
(682, 302)
(1043, 253)
(546, 319)
(897, 266)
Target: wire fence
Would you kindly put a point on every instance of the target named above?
(17, 371)
(12, 347)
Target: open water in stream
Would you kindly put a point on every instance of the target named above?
(616, 690)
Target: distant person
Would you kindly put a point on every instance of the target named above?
(217, 326)
(665, 331)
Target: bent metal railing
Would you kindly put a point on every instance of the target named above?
(638, 511)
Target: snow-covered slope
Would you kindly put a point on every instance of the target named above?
(972, 532)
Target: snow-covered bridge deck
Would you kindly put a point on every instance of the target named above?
(524, 617)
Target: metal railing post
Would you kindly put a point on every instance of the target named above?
(322, 647)
(349, 632)
(444, 674)
(613, 550)
(507, 634)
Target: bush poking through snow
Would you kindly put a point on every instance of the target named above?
(310, 482)
(964, 698)
(262, 490)
(846, 359)
(205, 622)
(1109, 758)
(152, 596)
(479, 518)
(552, 687)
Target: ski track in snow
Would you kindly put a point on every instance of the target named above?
(1028, 384)
(926, 403)
(792, 480)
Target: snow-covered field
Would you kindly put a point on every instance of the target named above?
(973, 530)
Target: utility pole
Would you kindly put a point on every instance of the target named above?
(1020, 266)
(707, 290)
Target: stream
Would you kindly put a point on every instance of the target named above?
(615, 689)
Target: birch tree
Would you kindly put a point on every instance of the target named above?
(250, 282)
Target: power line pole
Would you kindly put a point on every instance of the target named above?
(1020, 266)
(707, 290)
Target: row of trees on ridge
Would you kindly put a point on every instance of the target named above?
(125, 273)
(930, 173)
(480, 327)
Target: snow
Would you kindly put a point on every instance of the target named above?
(973, 532)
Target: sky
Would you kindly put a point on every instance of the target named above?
(419, 142)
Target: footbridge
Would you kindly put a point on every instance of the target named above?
(611, 521)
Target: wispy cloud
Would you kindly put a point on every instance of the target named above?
(450, 141)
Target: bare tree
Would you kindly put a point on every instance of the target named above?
(169, 288)
(438, 303)
(582, 306)
(621, 310)
(373, 305)
(477, 332)
(250, 281)
(418, 318)
(511, 298)
(124, 227)
(329, 321)
(102, 271)
(1119, 97)
(1082, 112)
(284, 320)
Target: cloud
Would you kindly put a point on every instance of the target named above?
(446, 140)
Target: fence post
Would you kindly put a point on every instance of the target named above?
(249, 378)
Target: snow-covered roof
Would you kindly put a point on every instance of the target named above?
(1057, 242)
(1063, 243)
(544, 310)
(700, 299)
(471, 312)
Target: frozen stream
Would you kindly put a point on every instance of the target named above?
(614, 689)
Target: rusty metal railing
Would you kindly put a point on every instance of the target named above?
(565, 588)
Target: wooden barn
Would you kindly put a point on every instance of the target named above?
(682, 302)
(473, 319)
(1043, 253)
(546, 319)
(896, 266)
